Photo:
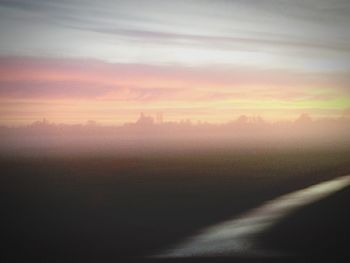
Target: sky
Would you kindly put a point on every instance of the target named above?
(72, 61)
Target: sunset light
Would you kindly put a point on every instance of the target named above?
(188, 60)
(174, 130)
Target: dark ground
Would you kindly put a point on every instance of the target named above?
(108, 209)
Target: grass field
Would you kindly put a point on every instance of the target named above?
(82, 208)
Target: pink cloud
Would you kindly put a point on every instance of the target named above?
(88, 79)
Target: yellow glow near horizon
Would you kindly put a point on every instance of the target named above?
(74, 91)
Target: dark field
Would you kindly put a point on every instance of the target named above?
(106, 208)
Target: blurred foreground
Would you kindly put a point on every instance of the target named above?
(106, 207)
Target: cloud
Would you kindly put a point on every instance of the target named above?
(67, 78)
(52, 89)
(227, 42)
(298, 34)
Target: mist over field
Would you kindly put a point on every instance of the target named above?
(146, 135)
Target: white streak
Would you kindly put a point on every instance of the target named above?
(236, 236)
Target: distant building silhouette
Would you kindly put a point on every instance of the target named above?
(145, 121)
(159, 118)
(91, 123)
(43, 123)
(303, 119)
(242, 120)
